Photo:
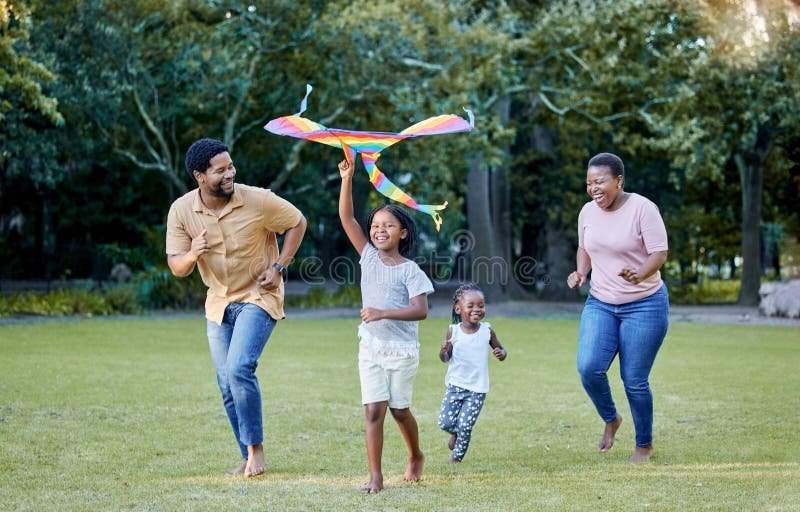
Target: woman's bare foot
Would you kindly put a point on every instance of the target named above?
(452, 442)
(610, 432)
(454, 460)
(374, 486)
(642, 454)
(238, 470)
(255, 461)
(414, 469)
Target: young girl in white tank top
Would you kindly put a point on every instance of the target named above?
(466, 350)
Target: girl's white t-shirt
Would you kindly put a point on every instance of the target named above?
(391, 287)
(469, 365)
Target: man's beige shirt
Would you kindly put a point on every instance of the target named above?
(243, 244)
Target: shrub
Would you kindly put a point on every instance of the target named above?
(344, 296)
(712, 291)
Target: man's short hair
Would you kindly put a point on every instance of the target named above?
(200, 153)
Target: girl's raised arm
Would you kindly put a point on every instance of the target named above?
(351, 226)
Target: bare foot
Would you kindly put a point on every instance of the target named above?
(374, 486)
(414, 469)
(608, 435)
(454, 460)
(255, 461)
(238, 470)
(452, 442)
(642, 454)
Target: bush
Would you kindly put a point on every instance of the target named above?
(153, 289)
(712, 291)
(61, 302)
(344, 296)
(124, 299)
(159, 289)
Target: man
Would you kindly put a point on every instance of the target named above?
(229, 233)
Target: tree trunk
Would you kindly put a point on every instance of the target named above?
(752, 179)
(500, 189)
(484, 266)
(559, 257)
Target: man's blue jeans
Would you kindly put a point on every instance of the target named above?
(635, 332)
(235, 347)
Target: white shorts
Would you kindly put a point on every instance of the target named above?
(386, 378)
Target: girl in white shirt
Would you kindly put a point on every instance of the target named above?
(466, 349)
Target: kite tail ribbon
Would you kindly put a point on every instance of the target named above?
(385, 186)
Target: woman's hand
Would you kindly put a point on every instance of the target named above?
(576, 280)
(631, 275)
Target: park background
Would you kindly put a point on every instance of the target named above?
(99, 101)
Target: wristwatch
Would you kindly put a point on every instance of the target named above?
(277, 266)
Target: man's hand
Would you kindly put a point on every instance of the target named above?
(499, 353)
(269, 279)
(371, 314)
(200, 245)
(575, 280)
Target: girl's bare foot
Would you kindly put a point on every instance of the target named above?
(255, 461)
(414, 469)
(642, 454)
(238, 470)
(610, 432)
(452, 442)
(374, 486)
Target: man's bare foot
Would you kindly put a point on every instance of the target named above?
(454, 460)
(374, 486)
(608, 435)
(452, 442)
(414, 469)
(642, 454)
(255, 461)
(238, 470)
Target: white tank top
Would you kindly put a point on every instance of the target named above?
(469, 366)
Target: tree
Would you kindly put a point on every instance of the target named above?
(28, 118)
(742, 112)
(599, 76)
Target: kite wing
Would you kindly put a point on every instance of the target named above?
(370, 145)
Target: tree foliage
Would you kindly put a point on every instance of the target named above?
(103, 98)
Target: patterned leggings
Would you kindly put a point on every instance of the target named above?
(460, 410)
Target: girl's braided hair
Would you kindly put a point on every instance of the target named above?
(461, 290)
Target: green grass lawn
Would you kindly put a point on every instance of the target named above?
(125, 415)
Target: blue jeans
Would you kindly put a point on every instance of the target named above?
(235, 347)
(635, 332)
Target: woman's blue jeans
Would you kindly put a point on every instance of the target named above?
(635, 332)
(235, 347)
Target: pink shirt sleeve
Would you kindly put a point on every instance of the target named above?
(654, 233)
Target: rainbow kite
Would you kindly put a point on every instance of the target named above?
(370, 144)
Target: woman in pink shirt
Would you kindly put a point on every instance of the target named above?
(623, 242)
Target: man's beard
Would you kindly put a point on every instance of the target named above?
(218, 192)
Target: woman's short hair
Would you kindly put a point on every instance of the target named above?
(610, 160)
